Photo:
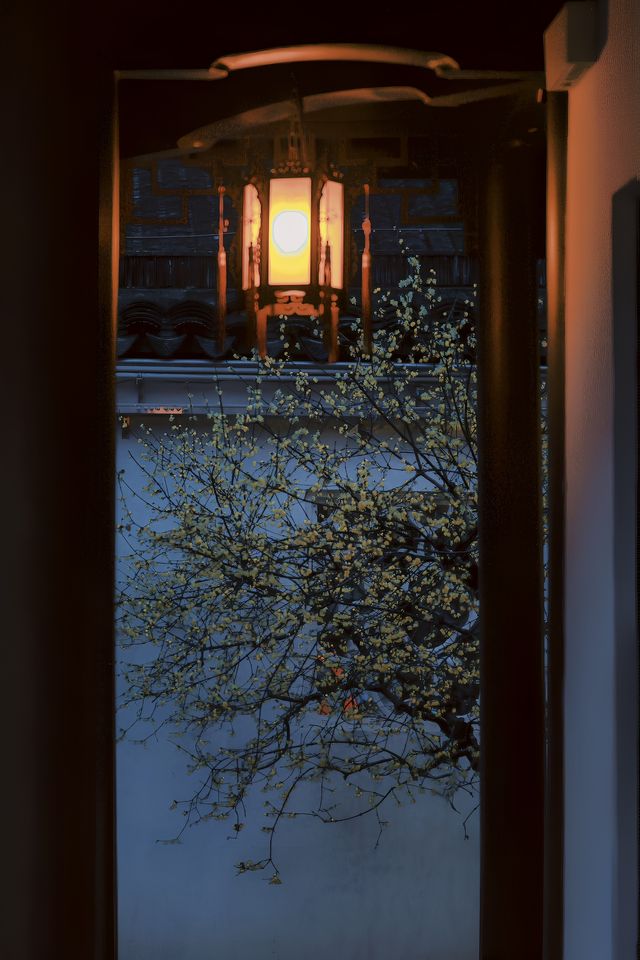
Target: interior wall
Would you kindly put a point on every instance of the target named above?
(601, 632)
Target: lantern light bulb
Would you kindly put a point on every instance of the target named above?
(290, 231)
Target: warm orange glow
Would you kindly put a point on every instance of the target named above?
(332, 230)
(251, 218)
(290, 231)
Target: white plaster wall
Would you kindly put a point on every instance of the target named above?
(604, 155)
(415, 897)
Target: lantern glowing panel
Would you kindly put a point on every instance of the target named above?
(290, 231)
(332, 231)
(251, 218)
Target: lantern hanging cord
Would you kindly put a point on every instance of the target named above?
(297, 148)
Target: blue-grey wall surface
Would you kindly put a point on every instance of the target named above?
(414, 895)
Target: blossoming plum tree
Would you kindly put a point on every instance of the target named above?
(307, 569)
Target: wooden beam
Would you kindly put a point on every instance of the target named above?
(554, 809)
(510, 504)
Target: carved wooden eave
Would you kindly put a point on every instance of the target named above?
(240, 91)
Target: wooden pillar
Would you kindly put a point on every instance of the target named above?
(330, 311)
(554, 813)
(262, 316)
(367, 331)
(222, 271)
(57, 798)
(512, 695)
(251, 304)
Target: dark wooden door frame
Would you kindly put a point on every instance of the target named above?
(625, 259)
(61, 820)
(58, 475)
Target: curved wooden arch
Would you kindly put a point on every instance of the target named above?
(364, 52)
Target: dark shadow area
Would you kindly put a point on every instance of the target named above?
(626, 326)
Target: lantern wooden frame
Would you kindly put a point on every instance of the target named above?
(313, 298)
